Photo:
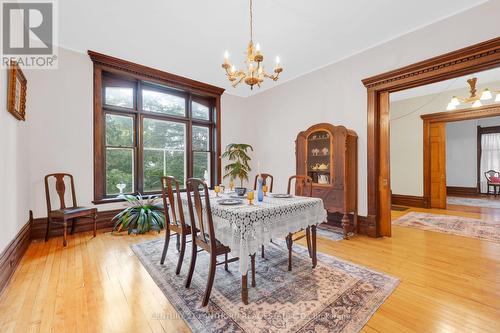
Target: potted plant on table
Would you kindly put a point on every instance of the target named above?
(141, 216)
(236, 153)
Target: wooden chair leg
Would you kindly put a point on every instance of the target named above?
(210, 281)
(226, 268)
(262, 250)
(73, 221)
(194, 252)
(65, 233)
(181, 254)
(314, 247)
(252, 265)
(48, 229)
(95, 224)
(177, 245)
(289, 246)
(308, 238)
(165, 246)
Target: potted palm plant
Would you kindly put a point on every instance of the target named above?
(141, 216)
(236, 153)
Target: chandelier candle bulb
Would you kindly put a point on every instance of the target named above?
(477, 104)
(497, 99)
(486, 95)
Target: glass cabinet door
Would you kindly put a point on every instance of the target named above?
(319, 157)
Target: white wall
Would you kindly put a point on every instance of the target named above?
(461, 151)
(407, 137)
(335, 93)
(14, 184)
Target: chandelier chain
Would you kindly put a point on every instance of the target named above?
(251, 21)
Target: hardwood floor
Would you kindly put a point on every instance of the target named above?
(448, 284)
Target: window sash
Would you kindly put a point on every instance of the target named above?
(139, 115)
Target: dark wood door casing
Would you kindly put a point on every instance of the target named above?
(445, 117)
(475, 58)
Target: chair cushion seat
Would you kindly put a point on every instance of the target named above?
(73, 211)
(494, 180)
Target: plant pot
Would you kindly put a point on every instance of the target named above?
(240, 191)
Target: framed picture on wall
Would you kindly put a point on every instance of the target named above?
(16, 92)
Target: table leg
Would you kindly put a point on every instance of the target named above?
(252, 262)
(244, 289)
(314, 253)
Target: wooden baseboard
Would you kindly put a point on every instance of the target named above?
(410, 200)
(83, 224)
(460, 190)
(13, 253)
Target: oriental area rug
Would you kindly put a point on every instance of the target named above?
(336, 296)
(456, 225)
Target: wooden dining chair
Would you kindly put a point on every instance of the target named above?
(265, 177)
(492, 180)
(303, 187)
(65, 214)
(203, 235)
(175, 223)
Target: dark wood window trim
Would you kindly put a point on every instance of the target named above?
(480, 132)
(109, 68)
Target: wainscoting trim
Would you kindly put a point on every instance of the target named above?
(13, 253)
(410, 200)
(459, 190)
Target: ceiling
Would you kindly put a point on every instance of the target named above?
(188, 37)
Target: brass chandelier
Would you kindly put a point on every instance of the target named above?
(474, 98)
(254, 74)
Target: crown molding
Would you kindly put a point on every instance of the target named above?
(478, 57)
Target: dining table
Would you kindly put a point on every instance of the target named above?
(245, 227)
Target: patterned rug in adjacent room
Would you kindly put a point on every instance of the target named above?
(456, 225)
(337, 296)
(475, 202)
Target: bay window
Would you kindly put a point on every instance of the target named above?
(146, 127)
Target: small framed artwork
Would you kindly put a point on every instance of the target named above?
(16, 92)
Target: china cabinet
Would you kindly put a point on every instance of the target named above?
(328, 154)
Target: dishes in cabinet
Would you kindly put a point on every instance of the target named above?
(315, 152)
(323, 179)
(320, 167)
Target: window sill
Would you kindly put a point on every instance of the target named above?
(104, 201)
(107, 201)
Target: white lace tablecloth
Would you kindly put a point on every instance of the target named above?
(244, 228)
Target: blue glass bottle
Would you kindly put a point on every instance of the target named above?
(260, 193)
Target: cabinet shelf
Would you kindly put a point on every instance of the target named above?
(321, 139)
(314, 156)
